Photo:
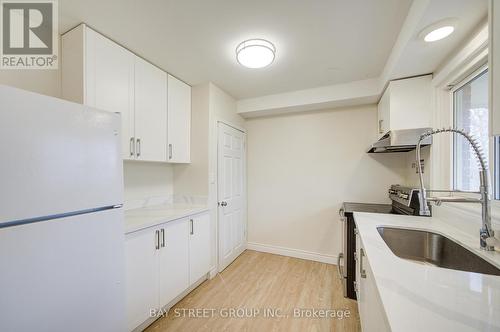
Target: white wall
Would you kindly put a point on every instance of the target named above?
(210, 104)
(412, 179)
(143, 180)
(46, 82)
(301, 167)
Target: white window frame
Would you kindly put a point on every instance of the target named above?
(472, 56)
(491, 153)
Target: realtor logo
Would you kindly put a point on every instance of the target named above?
(29, 34)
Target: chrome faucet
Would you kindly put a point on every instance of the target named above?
(486, 232)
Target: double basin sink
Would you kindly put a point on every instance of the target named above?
(434, 249)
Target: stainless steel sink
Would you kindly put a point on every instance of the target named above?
(435, 249)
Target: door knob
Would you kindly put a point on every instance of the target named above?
(223, 203)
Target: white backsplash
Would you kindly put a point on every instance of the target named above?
(467, 217)
(168, 199)
(412, 178)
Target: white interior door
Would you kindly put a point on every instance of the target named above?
(231, 194)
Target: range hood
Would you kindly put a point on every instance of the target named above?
(400, 141)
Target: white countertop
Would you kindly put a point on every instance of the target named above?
(418, 297)
(141, 218)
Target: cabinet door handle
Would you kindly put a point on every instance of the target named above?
(339, 267)
(341, 213)
(170, 149)
(132, 146)
(380, 130)
(157, 239)
(192, 227)
(362, 271)
(138, 148)
(163, 238)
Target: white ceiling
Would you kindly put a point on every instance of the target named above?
(319, 42)
(419, 57)
(409, 56)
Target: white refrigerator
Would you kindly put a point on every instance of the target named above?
(61, 217)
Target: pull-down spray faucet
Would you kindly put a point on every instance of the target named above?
(486, 233)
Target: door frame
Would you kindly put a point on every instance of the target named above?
(244, 189)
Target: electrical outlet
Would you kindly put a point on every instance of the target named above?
(422, 163)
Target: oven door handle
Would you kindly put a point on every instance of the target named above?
(340, 270)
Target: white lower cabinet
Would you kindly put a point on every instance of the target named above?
(174, 260)
(142, 276)
(371, 311)
(199, 247)
(162, 262)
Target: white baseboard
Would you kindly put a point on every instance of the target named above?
(212, 273)
(296, 253)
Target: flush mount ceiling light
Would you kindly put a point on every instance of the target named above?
(255, 53)
(438, 30)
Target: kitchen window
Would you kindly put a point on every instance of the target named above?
(470, 110)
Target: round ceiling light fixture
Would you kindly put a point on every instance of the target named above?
(255, 53)
(438, 30)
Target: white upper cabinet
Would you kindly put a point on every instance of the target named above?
(406, 104)
(494, 66)
(150, 112)
(100, 73)
(383, 113)
(179, 121)
(110, 82)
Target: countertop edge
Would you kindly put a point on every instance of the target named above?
(158, 221)
(399, 307)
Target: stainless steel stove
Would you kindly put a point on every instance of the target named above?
(405, 201)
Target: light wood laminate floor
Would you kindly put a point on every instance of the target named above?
(238, 298)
